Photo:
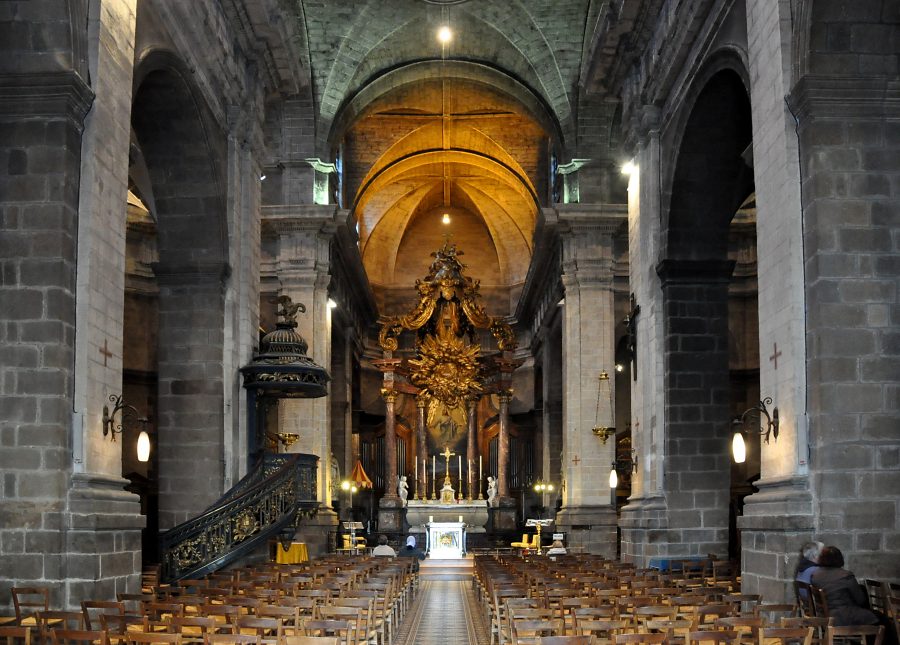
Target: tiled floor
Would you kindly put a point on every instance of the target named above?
(445, 613)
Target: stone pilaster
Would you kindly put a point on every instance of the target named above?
(587, 515)
(643, 519)
(304, 236)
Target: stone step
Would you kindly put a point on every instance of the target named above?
(459, 569)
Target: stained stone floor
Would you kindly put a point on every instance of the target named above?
(445, 612)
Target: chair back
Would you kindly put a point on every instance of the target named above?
(15, 634)
(856, 634)
(29, 600)
(785, 635)
(91, 609)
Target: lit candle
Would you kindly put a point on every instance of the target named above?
(459, 468)
(479, 468)
(460, 519)
(416, 473)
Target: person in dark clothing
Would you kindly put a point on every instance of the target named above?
(410, 551)
(847, 600)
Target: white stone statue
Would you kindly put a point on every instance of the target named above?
(403, 489)
(492, 491)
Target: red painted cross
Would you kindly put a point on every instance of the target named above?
(774, 357)
(576, 461)
(106, 353)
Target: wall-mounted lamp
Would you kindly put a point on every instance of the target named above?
(604, 431)
(331, 304)
(622, 463)
(739, 424)
(111, 427)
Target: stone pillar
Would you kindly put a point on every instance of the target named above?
(698, 431)
(190, 450)
(588, 514)
(390, 444)
(390, 508)
(471, 446)
(302, 266)
(779, 518)
(642, 520)
(503, 447)
(421, 447)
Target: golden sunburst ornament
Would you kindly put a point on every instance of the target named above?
(446, 369)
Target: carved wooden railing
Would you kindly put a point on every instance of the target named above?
(267, 502)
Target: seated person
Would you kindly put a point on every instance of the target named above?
(847, 600)
(557, 548)
(809, 560)
(383, 548)
(410, 550)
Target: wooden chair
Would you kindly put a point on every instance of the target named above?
(878, 595)
(819, 602)
(28, 601)
(342, 629)
(91, 609)
(526, 631)
(819, 626)
(566, 640)
(15, 634)
(785, 635)
(803, 596)
(193, 629)
(291, 623)
(232, 639)
(773, 613)
(269, 630)
(719, 637)
(53, 619)
(746, 627)
(312, 640)
(78, 637)
(854, 634)
(152, 638)
(603, 631)
(640, 639)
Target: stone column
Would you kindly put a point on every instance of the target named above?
(390, 508)
(643, 519)
(421, 446)
(503, 447)
(588, 514)
(471, 446)
(390, 444)
(302, 267)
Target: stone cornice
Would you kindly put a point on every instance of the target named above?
(843, 97)
(54, 94)
(607, 219)
(284, 219)
(675, 271)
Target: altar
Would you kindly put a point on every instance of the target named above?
(474, 514)
(446, 540)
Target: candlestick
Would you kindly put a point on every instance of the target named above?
(459, 468)
(416, 477)
(433, 477)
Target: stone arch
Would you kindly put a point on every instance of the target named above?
(709, 181)
(418, 71)
(183, 151)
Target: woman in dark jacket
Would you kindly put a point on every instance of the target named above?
(847, 600)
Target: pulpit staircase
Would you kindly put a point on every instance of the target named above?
(266, 504)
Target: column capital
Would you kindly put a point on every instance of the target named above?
(389, 396)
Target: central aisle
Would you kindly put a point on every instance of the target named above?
(445, 612)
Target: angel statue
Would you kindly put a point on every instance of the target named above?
(403, 489)
(492, 491)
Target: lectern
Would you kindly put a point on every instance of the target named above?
(538, 524)
(353, 527)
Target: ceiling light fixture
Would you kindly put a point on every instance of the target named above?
(445, 219)
(444, 34)
(628, 168)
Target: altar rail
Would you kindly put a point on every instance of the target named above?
(268, 501)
